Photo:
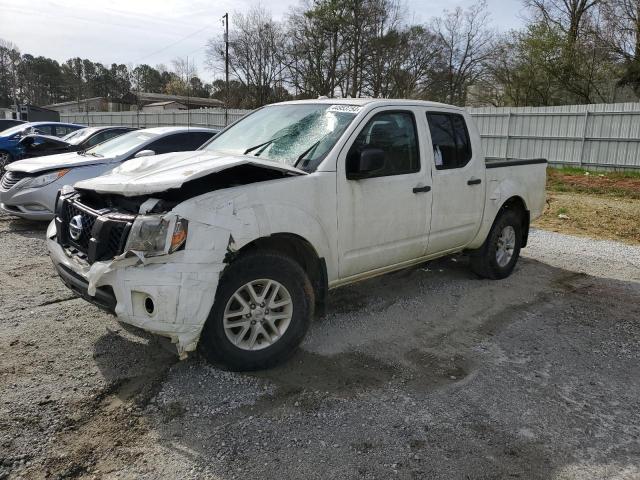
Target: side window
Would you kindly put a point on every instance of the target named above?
(450, 139)
(62, 130)
(44, 129)
(96, 139)
(395, 134)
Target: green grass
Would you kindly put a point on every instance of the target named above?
(566, 170)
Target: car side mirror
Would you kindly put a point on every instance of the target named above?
(362, 163)
(144, 153)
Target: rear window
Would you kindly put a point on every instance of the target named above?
(450, 140)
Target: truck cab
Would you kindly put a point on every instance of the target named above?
(233, 247)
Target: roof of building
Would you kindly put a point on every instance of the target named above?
(74, 102)
(162, 104)
(163, 97)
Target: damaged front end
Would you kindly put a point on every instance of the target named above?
(154, 258)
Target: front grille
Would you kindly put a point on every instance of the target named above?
(9, 179)
(103, 233)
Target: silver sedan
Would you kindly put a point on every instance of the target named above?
(29, 187)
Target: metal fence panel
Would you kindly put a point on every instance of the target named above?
(590, 136)
(598, 136)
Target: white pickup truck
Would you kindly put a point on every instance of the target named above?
(233, 247)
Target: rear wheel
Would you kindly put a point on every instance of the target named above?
(263, 309)
(497, 258)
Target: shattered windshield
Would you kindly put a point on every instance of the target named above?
(296, 135)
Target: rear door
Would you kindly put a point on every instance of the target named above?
(458, 176)
(383, 219)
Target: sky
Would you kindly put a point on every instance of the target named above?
(155, 32)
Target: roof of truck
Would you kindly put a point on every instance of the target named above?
(369, 101)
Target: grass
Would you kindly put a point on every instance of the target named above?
(594, 204)
(576, 180)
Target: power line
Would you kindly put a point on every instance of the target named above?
(172, 44)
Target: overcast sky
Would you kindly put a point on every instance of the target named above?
(153, 32)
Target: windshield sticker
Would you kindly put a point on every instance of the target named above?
(344, 108)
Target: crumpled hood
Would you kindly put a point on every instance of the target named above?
(55, 162)
(158, 173)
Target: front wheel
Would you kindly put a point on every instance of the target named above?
(497, 258)
(262, 311)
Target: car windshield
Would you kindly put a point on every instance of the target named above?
(17, 129)
(296, 135)
(74, 138)
(120, 145)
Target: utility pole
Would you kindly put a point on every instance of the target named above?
(226, 67)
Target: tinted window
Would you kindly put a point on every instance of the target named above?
(179, 142)
(395, 134)
(450, 139)
(44, 129)
(62, 130)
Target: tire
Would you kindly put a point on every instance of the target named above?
(489, 261)
(262, 270)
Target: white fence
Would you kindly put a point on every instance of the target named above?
(205, 117)
(591, 136)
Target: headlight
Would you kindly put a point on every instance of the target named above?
(46, 179)
(157, 235)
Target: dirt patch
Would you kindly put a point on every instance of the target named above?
(595, 216)
(617, 184)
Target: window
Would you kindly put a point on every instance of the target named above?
(179, 142)
(62, 130)
(395, 134)
(43, 129)
(450, 139)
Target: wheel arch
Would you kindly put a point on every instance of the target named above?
(518, 204)
(301, 251)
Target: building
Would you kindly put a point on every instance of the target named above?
(158, 107)
(133, 100)
(95, 104)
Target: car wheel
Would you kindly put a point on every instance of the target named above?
(262, 311)
(5, 159)
(498, 256)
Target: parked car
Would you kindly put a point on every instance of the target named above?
(9, 122)
(235, 246)
(10, 138)
(35, 145)
(29, 187)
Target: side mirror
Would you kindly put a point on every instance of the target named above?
(362, 163)
(144, 153)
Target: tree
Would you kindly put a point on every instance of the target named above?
(465, 38)
(255, 53)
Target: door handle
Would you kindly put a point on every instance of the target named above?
(425, 188)
(474, 181)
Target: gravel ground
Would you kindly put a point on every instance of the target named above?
(424, 373)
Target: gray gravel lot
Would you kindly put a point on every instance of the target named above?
(425, 373)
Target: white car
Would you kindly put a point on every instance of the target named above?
(29, 187)
(235, 246)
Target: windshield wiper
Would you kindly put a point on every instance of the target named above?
(307, 151)
(265, 144)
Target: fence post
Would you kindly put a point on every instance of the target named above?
(584, 135)
(506, 149)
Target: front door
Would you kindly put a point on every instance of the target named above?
(384, 217)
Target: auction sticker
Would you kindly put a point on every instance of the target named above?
(344, 108)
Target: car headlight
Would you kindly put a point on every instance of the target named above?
(157, 235)
(46, 179)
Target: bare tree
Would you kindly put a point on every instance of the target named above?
(255, 54)
(465, 38)
(570, 16)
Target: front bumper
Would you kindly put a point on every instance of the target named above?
(30, 203)
(180, 291)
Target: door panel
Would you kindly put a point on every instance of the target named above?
(458, 189)
(381, 221)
